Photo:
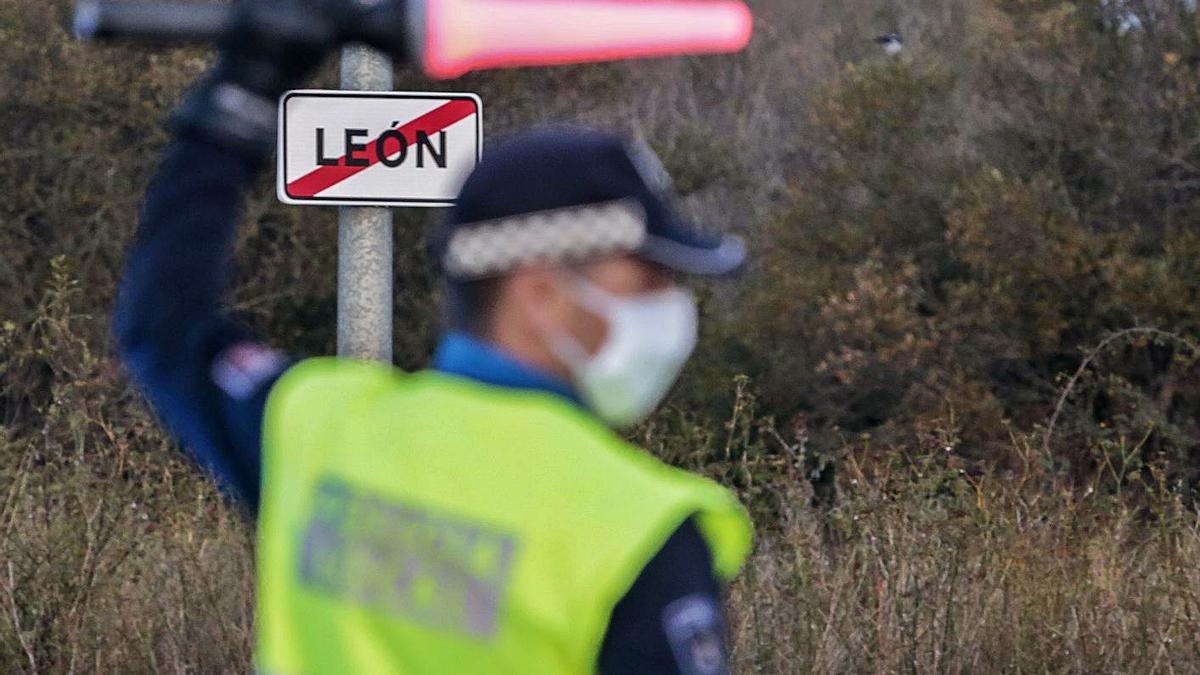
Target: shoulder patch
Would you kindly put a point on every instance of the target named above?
(696, 633)
(243, 367)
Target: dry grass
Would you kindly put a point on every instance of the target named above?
(990, 580)
(115, 562)
(914, 562)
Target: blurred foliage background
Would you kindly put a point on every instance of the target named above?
(958, 386)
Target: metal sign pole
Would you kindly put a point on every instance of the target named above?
(364, 312)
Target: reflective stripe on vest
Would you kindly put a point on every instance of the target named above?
(429, 524)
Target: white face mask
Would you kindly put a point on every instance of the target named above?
(650, 337)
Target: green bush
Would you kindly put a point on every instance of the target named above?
(977, 216)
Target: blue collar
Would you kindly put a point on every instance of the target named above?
(466, 356)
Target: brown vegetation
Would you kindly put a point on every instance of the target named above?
(959, 388)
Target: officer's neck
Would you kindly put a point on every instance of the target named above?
(524, 345)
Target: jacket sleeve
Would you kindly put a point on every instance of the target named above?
(202, 372)
(670, 621)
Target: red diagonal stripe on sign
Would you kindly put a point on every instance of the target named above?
(324, 177)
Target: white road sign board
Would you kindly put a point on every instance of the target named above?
(348, 148)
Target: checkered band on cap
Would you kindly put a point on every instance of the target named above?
(493, 247)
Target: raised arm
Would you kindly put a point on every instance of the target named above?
(203, 373)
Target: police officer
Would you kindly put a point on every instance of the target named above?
(482, 516)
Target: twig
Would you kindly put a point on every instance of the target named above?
(1092, 355)
(10, 591)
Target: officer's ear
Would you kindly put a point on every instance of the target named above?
(537, 294)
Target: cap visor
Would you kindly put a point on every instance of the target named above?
(726, 258)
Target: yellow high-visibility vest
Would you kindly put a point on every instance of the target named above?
(431, 524)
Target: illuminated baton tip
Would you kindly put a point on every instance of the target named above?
(465, 35)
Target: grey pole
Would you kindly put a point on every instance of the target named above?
(364, 313)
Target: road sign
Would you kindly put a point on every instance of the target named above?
(377, 148)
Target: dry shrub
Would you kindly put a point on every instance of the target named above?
(1017, 195)
(114, 555)
(985, 579)
(924, 565)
